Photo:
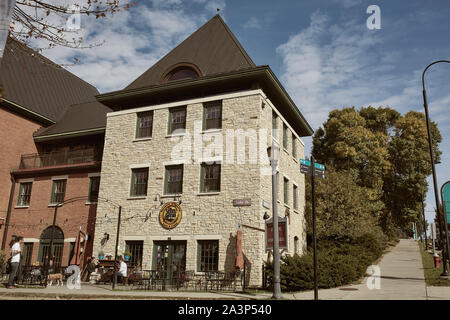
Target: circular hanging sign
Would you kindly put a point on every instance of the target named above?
(170, 215)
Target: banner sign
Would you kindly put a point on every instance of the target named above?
(6, 9)
(446, 199)
(282, 234)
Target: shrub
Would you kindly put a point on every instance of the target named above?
(339, 263)
(3, 262)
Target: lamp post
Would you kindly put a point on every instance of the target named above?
(273, 155)
(442, 220)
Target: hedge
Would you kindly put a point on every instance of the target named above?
(340, 262)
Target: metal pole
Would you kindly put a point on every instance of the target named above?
(50, 254)
(425, 227)
(276, 250)
(8, 213)
(445, 246)
(313, 203)
(117, 245)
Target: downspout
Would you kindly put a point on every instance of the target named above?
(8, 213)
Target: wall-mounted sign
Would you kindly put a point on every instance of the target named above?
(266, 204)
(282, 234)
(242, 202)
(170, 215)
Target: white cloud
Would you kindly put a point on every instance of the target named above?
(252, 23)
(133, 41)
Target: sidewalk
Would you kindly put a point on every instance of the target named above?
(402, 278)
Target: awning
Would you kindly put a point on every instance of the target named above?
(78, 250)
(239, 255)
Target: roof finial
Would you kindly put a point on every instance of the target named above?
(218, 9)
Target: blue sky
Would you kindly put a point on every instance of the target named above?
(322, 51)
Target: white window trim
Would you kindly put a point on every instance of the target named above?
(134, 238)
(26, 180)
(95, 174)
(60, 177)
(140, 166)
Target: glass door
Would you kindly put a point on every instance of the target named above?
(169, 259)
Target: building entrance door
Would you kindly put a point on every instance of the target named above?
(169, 259)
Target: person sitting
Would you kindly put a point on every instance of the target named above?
(122, 271)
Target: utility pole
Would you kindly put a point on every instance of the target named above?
(117, 245)
(313, 202)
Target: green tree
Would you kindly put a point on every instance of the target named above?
(347, 143)
(386, 155)
(341, 207)
(406, 185)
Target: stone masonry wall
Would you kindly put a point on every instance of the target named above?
(204, 216)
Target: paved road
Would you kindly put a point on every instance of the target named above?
(401, 278)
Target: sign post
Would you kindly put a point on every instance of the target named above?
(314, 170)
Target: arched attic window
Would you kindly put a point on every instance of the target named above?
(181, 72)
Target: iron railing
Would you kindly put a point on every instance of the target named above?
(42, 160)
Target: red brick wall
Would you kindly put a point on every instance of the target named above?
(16, 138)
(32, 221)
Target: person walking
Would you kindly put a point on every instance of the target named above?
(16, 250)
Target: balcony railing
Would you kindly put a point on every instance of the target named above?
(51, 159)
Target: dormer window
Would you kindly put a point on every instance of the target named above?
(181, 72)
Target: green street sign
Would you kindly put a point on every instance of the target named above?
(308, 163)
(446, 199)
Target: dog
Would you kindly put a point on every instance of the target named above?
(58, 277)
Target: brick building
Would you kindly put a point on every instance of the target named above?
(51, 151)
(185, 155)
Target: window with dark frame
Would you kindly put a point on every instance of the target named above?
(274, 124)
(139, 182)
(210, 177)
(295, 196)
(28, 254)
(285, 136)
(208, 255)
(294, 147)
(94, 187)
(174, 180)
(58, 191)
(24, 194)
(136, 248)
(144, 124)
(212, 115)
(177, 120)
(181, 73)
(286, 191)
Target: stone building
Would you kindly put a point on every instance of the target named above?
(186, 159)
